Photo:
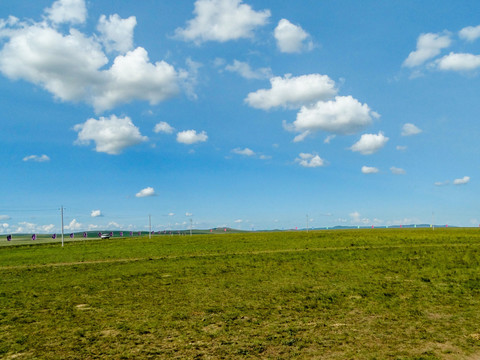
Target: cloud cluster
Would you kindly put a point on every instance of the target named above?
(430, 45)
(319, 106)
(309, 160)
(222, 20)
(72, 66)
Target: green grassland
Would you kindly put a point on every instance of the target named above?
(343, 294)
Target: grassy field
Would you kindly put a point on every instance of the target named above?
(343, 294)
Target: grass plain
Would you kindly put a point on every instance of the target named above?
(340, 294)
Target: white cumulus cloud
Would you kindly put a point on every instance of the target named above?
(74, 225)
(370, 143)
(470, 33)
(163, 127)
(191, 137)
(343, 115)
(133, 77)
(222, 20)
(291, 38)
(148, 191)
(293, 92)
(67, 11)
(37, 158)
(111, 135)
(410, 129)
(310, 160)
(96, 213)
(116, 34)
(369, 170)
(459, 62)
(428, 46)
(72, 66)
(462, 181)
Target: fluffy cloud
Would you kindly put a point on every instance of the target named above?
(222, 20)
(111, 135)
(67, 66)
(245, 152)
(163, 127)
(290, 38)
(370, 143)
(310, 160)
(459, 62)
(74, 225)
(133, 77)
(470, 33)
(41, 158)
(67, 11)
(410, 129)
(428, 46)
(72, 66)
(245, 71)
(148, 191)
(462, 181)
(343, 115)
(369, 170)
(190, 137)
(96, 213)
(4, 217)
(116, 33)
(293, 92)
(397, 171)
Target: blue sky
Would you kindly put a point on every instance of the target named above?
(249, 114)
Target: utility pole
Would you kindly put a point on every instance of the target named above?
(190, 226)
(62, 222)
(307, 223)
(149, 226)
